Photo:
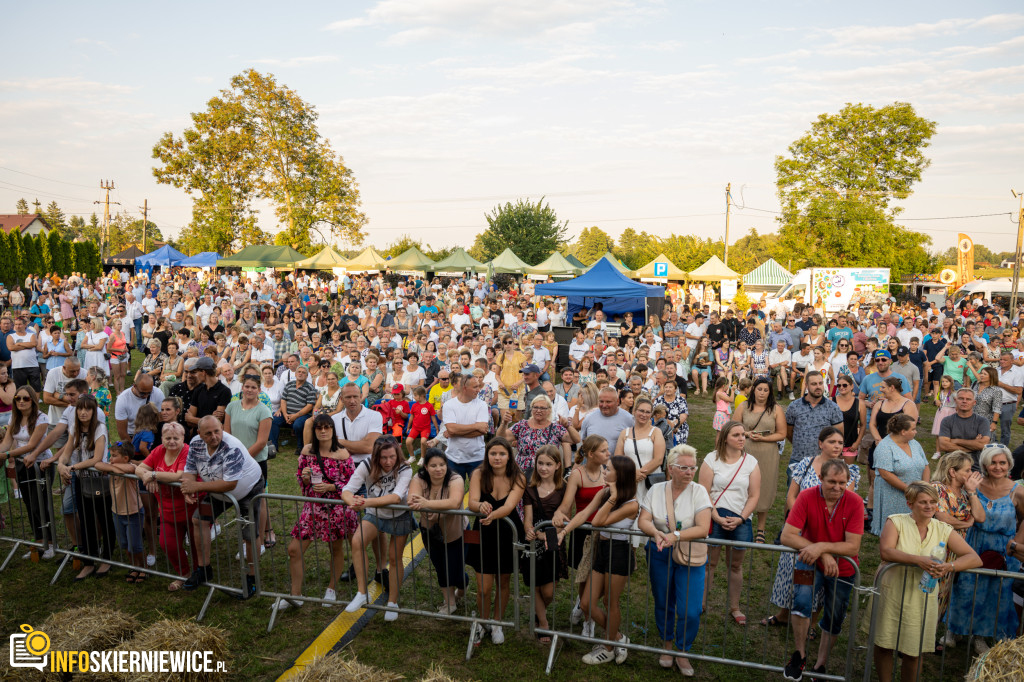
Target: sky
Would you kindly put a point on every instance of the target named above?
(622, 113)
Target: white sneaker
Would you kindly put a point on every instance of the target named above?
(621, 652)
(576, 617)
(391, 616)
(420, 463)
(49, 553)
(238, 555)
(26, 556)
(150, 560)
(215, 531)
(358, 602)
(937, 455)
(476, 631)
(598, 656)
(285, 604)
(588, 629)
(448, 609)
(948, 640)
(497, 635)
(980, 645)
(791, 396)
(331, 596)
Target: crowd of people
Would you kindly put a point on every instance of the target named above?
(392, 390)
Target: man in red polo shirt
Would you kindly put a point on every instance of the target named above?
(826, 522)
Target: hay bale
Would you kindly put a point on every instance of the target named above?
(436, 674)
(1002, 663)
(87, 628)
(175, 635)
(335, 668)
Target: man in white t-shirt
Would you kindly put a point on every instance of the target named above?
(779, 360)
(130, 400)
(53, 388)
(358, 427)
(542, 358)
(465, 420)
(22, 343)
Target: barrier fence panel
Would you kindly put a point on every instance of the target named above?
(294, 571)
(112, 519)
(710, 635)
(983, 606)
(23, 508)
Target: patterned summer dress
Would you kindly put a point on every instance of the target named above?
(326, 522)
(959, 507)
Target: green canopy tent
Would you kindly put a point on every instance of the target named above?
(509, 262)
(262, 256)
(555, 265)
(615, 262)
(412, 260)
(327, 259)
(667, 271)
(769, 276)
(576, 262)
(459, 262)
(368, 261)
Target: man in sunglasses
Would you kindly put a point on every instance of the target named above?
(131, 399)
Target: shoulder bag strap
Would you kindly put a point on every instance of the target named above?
(727, 485)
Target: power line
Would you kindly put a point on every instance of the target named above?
(45, 194)
(40, 177)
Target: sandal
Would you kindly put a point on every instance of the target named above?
(175, 585)
(131, 577)
(141, 578)
(760, 537)
(666, 661)
(271, 541)
(738, 616)
(774, 622)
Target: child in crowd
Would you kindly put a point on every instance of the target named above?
(742, 392)
(147, 423)
(126, 506)
(660, 421)
(542, 499)
(396, 411)
(723, 403)
(945, 400)
(423, 416)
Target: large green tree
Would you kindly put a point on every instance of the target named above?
(55, 217)
(32, 262)
(258, 141)
(636, 249)
(838, 186)
(21, 207)
(753, 249)
(531, 230)
(592, 243)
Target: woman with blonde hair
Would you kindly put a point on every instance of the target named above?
(959, 506)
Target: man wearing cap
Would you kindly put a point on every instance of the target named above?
(184, 389)
(908, 370)
(531, 377)
(210, 396)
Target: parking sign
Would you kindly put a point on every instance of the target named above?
(661, 269)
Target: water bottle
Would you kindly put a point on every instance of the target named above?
(928, 581)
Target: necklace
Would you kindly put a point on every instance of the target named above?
(593, 480)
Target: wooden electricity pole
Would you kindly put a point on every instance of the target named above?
(728, 202)
(1016, 260)
(145, 224)
(106, 185)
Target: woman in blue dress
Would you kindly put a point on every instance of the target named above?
(899, 461)
(980, 605)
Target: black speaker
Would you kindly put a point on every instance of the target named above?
(564, 334)
(563, 360)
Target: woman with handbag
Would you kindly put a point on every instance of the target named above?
(645, 445)
(733, 481)
(674, 515)
(434, 489)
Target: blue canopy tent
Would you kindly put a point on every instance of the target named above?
(604, 284)
(165, 257)
(206, 259)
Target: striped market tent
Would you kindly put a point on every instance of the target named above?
(768, 276)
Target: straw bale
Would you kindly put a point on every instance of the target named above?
(335, 668)
(436, 674)
(1004, 662)
(175, 635)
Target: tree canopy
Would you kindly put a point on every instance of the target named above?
(531, 230)
(838, 184)
(592, 243)
(258, 141)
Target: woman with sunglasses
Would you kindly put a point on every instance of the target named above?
(27, 427)
(855, 419)
(249, 421)
(324, 469)
(386, 476)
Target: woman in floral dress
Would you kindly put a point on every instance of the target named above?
(324, 469)
(959, 506)
(676, 413)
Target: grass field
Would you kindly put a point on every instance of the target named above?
(413, 643)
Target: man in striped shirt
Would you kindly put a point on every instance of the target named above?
(297, 401)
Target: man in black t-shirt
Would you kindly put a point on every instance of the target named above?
(716, 331)
(210, 396)
(183, 390)
(732, 325)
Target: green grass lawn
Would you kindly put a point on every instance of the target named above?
(413, 643)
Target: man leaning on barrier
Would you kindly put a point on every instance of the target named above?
(826, 522)
(225, 466)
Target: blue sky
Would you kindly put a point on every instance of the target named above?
(624, 113)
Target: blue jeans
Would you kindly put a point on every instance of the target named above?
(1006, 414)
(464, 469)
(278, 421)
(138, 334)
(742, 533)
(837, 596)
(129, 531)
(678, 592)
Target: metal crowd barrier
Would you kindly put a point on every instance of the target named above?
(713, 643)
(419, 591)
(958, 661)
(89, 533)
(23, 510)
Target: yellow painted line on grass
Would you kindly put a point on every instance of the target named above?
(345, 621)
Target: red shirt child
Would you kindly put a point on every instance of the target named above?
(399, 410)
(422, 415)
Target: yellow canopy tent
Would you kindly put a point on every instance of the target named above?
(660, 268)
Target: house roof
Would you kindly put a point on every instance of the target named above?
(12, 221)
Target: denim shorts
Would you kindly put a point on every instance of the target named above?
(837, 596)
(129, 530)
(742, 533)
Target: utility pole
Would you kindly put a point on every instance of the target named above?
(145, 225)
(105, 234)
(728, 203)
(1016, 260)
